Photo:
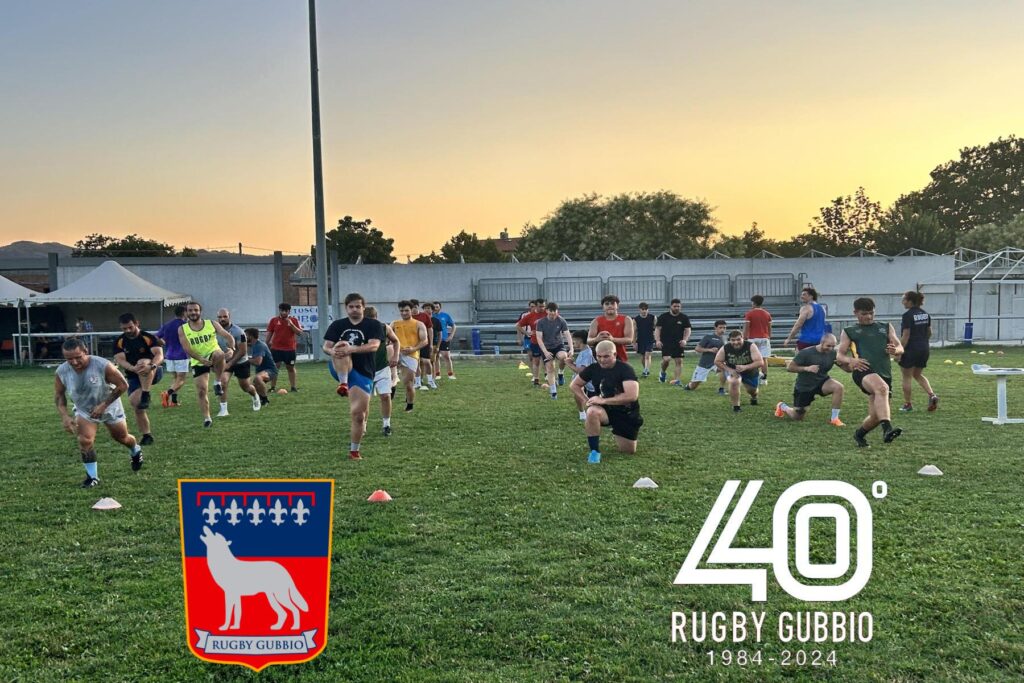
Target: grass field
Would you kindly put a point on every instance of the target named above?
(504, 555)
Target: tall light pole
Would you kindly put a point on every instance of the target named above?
(318, 188)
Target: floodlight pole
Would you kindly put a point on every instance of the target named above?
(318, 188)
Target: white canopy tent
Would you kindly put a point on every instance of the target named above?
(111, 283)
(14, 295)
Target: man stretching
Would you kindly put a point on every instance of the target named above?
(812, 366)
(617, 403)
(199, 339)
(741, 361)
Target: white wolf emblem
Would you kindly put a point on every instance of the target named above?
(238, 578)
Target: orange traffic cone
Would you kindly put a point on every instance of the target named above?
(379, 496)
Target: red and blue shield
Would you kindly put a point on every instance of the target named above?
(256, 556)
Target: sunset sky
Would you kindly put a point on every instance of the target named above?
(188, 121)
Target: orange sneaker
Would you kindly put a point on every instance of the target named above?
(354, 455)
(836, 423)
(342, 390)
(165, 398)
(779, 412)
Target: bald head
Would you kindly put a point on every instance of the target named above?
(224, 317)
(828, 342)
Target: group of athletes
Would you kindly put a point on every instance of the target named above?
(368, 356)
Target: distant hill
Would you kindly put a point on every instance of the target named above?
(26, 249)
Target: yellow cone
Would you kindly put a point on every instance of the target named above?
(524, 366)
(959, 362)
(948, 362)
(529, 374)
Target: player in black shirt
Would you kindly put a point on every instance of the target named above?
(742, 362)
(351, 343)
(616, 403)
(140, 354)
(671, 333)
(644, 326)
(915, 333)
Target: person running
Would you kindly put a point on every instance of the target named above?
(412, 336)
(434, 337)
(741, 362)
(527, 326)
(175, 358)
(671, 333)
(915, 332)
(613, 327)
(447, 336)
(385, 360)
(644, 325)
(283, 332)
(865, 349)
(237, 363)
(424, 369)
(555, 344)
(95, 386)
(522, 336)
(812, 366)
(617, 403)
(708, 347)
(199, 339)
(351, 343)
(584, 358)
(810, 324)
(264, 371)
(757, 327)
(140, 355)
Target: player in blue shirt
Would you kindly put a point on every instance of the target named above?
(447, 335)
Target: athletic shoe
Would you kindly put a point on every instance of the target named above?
(892, 435)
(676, 382)
(645, 374)
(764, 381)
(736, 409)
(89, 482)
(293, 389)
(536, 382)
(147, 440)
(354, 455)
(451, 376)
(223, 412)
(343, 390)
(256, 403)
(753, 401)
(408, 407)
(386, 431)
(423, 387)
(144, 400)
(933, 403)
(218, 390)
(561, 379)
(437, 375)
(165, 398)
(687, 387)
(721, 391)
(207, 422)
(137, 461)
(554, 395)
(836, 423)
(594, 457)
(906, 408)
(779, 412)
(264, 400)
(662, 377)
(858, 437)
(432, 384)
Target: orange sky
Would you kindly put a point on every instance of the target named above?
(161, 121)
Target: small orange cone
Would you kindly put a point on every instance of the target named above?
(379, 496)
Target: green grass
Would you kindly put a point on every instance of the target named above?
(504, 556)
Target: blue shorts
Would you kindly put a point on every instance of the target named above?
(535, 350)
(134, 384)
(355, 379)
(751, 380)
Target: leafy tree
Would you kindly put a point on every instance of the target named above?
(130, 245)
(471, 249)
(901, 229)
(984, 186)
(633, 226)
(749, 244)
(845, 223)
(352, 239)
(994, 237)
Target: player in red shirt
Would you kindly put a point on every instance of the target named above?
(758, 330)
(282, 337)
(527, 326)
(612, 326)
(426, 368)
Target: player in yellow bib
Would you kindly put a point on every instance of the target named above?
(198, 338)
(412, 336)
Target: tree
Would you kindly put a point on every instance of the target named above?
(902, 229)
(845, 223)
(749, 244)
(984, 186)
(130, 245)
(354, 239)
(633, 226)
(994, 237)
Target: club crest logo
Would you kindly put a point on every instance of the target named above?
(256, 562)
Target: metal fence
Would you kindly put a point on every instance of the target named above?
(569, 291)
(632, 290)
(704, 289)
(776, 288)
(506, 292)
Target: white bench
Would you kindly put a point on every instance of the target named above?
(1000, 374)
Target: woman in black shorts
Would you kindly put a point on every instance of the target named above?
(915, 332)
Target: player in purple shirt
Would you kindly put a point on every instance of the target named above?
(174, 356)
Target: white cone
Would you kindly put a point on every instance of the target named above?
(645, 483)
(930, 471)
(106, 504)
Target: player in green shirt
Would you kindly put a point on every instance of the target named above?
(865, 350)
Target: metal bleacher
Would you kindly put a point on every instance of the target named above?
(498, 303)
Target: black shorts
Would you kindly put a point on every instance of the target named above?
(200, 370)
(625, 422)
(802, 399)
(915, 358)
(672, 351)
(426, 352)
(286, 357)
(134, 384)
(646, 346)
(444, 346)
(858, 377)
(242, 370)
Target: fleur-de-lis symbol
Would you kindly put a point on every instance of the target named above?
(211, 513)
(278, 512)
(255, 512)
(300, 512)
(234, 513)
